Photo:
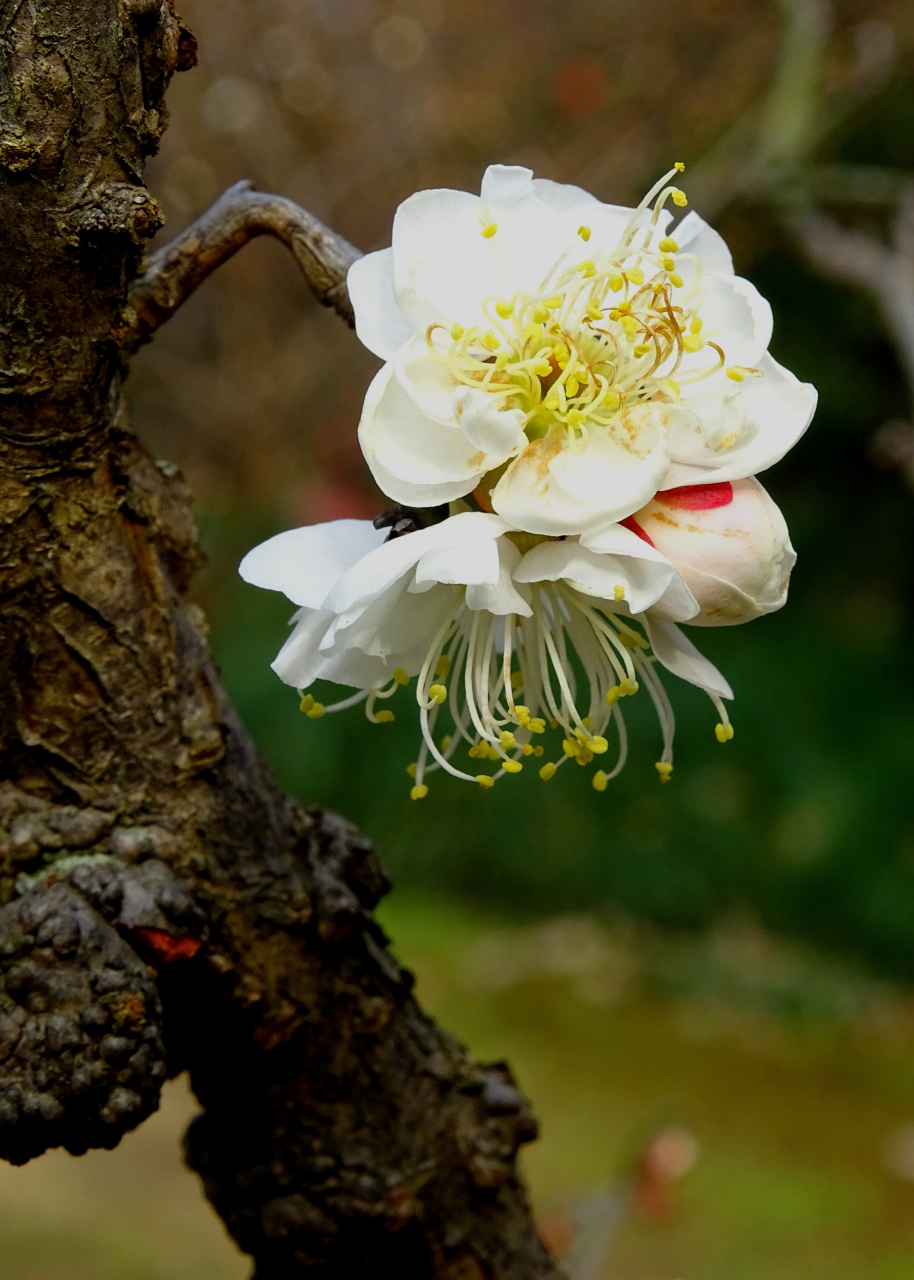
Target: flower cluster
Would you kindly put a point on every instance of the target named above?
(573, 406)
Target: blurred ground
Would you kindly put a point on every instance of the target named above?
(796, 1078)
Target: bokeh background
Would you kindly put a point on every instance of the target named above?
(727, 959)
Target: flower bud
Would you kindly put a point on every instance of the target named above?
(729, 542)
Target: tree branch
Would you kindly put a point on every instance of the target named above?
(240, 214)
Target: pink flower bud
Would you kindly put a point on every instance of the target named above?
(730, 544)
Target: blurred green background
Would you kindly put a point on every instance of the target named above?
(729, 953)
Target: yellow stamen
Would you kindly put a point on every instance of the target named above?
(664, 768)
(489, 230)
(512, 766)
(735, 374)
(485, 780)
(584, 233)
(668, 245)
(723, 732)
(675, 279)
(600, 780)
(438, 692)
(547, 771)
(443, 666)
(411, 769)
(679, 197)
(618, 591)
(384, 717)
(418, 793)
(400, 676)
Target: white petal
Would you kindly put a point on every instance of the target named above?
(395, 621)
(563, 197)
(499, 433)
(471, 562)
(679, 655)
(547, 489)
(413, 458)
(380, 324)
(643, 581)
(299, 660)
(715, 424)
(779, 408)
(426, 379)
(742, 317)
(375, 573)
(502, 598)
(443, 266)
(694, 235)
(305, 563)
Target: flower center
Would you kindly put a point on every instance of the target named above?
(597, 337)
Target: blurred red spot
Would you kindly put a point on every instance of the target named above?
(697, 497)
(168, 948)
(631, 523)
(580, 87)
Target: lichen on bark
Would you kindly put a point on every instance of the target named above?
(167, 906)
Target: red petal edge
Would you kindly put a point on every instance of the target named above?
(168, 948)
(631, 523)
(697, 497)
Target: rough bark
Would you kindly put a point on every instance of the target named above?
(163, 895)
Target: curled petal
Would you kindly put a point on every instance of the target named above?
(679, 655)
(305, 563)
(499, 433)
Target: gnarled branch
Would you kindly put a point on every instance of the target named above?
(240, 214)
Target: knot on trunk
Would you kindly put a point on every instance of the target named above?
(81, 1053)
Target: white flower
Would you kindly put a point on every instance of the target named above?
(728, 542)
(564, 358)
(487, 620)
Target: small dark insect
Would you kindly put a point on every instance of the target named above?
(403, 520)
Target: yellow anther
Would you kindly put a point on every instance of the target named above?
(537, 751)
(587, 269)
(384, 717)
(616, 280)
(611, 400)
(668, 245)
(627, 688)
(523, 715)
(445, 742)
(457, 332)
(418, 793)
(632, 640)
(613, 695)
(571, 389)
(735, 374)
(679, 165)
(679, 197)
(504, 309)
(585, 756)
(512, 766)
(723, 732)
(693, 342)
(438, 692)
(443, 666)
(489, 340)
(598, 745)
(501, 360)
(668, 264)
(584, 233)
(664, 768)
(634, 275)
(618, 591)
(594, 312)
(570, 747)
(540, 312)
(411, 770)
(657, 287)
(473, 753)
(489, 230)
(553, 724)
(586, 722)
(600, 780)
(517, 679)
(675, 279)
(485, 780)
(696, 324)
(642, 349)
(315, 712)
(554, 303)
(506, 738)
(672, 386)
(400, 676)
(538, 725)
(548, 771)
(306, 703)
(527, 749)
(624, 307)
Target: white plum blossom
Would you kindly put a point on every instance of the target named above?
(564, 359)
(485, 620)
(729, 543)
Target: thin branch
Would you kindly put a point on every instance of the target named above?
(239, 215)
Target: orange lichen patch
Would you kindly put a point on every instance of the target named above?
(167, 947)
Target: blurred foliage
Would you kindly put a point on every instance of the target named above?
(348, 106)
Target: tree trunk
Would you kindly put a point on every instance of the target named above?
(167, 906)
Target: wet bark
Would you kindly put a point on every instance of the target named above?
(167, 906)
